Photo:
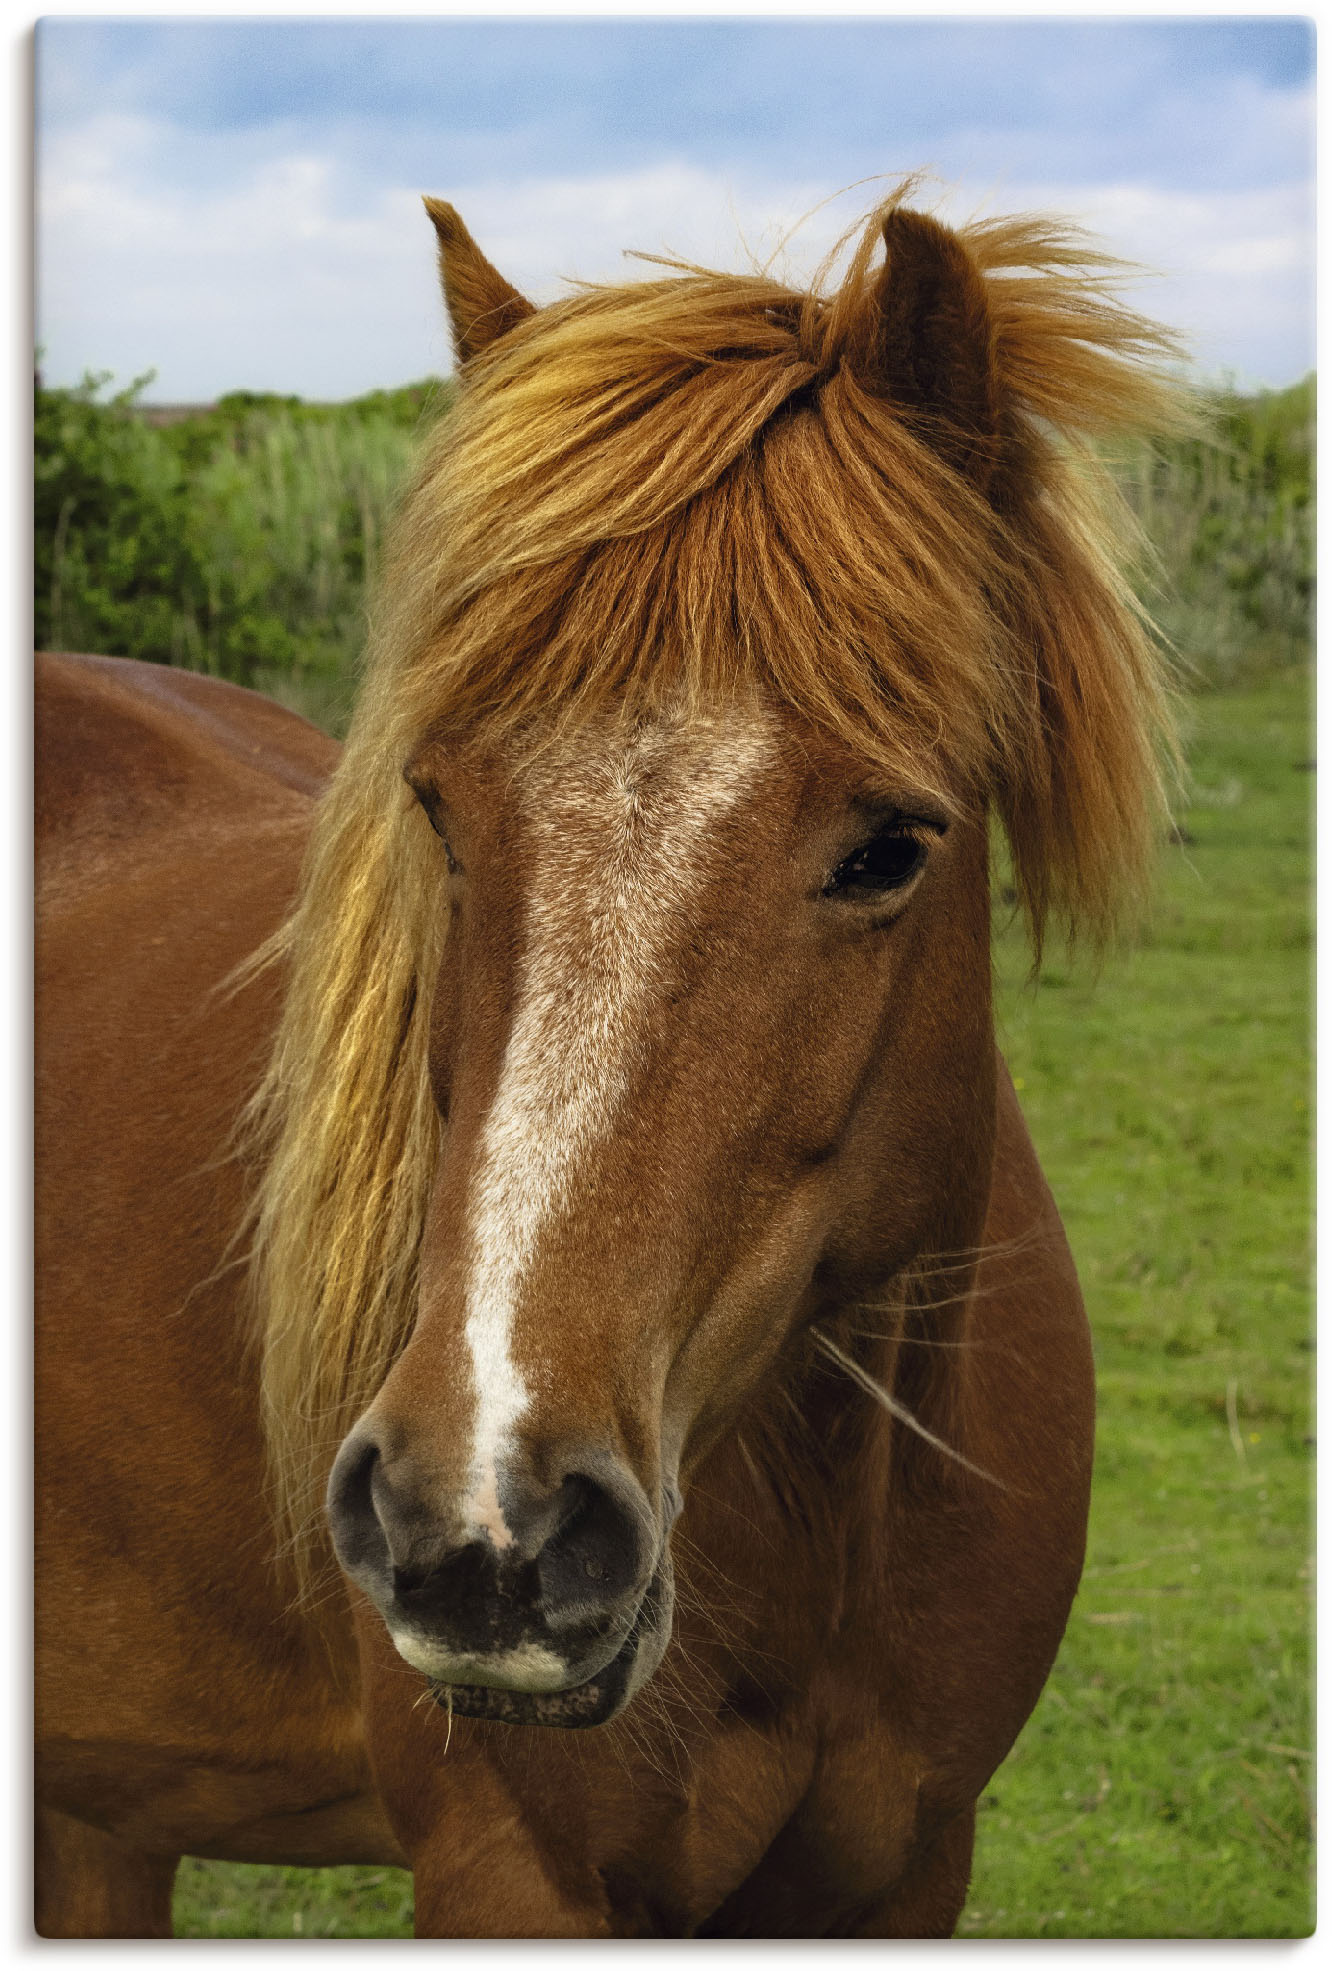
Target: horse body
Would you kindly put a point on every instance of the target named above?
(649, 1270)
(179, 1707)
(855, 1668)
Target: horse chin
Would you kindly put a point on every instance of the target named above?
(594, 1702)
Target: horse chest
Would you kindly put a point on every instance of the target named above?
(777, 1837)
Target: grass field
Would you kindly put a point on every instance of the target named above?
(1163, 1787)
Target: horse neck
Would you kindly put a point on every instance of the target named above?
(787, 1507)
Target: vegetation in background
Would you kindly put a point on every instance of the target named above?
(1232, 520)
(242, 538)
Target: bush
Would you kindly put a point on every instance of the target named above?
(239, 540)
(242, 539)
(1232, 520)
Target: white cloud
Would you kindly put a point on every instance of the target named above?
(1233, 270)
(272, 263)
(281, 276)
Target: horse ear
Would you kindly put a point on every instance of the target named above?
(927, 342)
(481, 304)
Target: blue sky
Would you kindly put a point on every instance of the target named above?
(236, 202)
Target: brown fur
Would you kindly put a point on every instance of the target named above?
(677, 494)
(473, 291)
(691, 488)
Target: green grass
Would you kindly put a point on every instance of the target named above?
(236, 1899)
(1163, 1786)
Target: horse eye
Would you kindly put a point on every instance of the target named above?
(886, 862)
(428, 802)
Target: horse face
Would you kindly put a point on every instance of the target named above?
(712, 1044)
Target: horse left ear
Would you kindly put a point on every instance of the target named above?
(926, 342)
(481, 304)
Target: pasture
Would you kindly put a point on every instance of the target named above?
(1163, 1787)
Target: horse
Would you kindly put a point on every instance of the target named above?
(558, 1365)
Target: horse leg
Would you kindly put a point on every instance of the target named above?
(479, 1872)
(929, 1898)
(522, 1903)
(89, 1884)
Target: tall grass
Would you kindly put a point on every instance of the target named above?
(242, 538)
(1232, 521)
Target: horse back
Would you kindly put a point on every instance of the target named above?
(125, 750)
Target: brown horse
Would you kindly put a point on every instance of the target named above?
(602, 1188)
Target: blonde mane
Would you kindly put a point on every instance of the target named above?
(681, 488)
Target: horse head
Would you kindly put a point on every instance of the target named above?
(646, 1031)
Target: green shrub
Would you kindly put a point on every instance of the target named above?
(243, 539)
(1232, 521)
(240, 540)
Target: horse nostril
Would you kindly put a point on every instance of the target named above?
(571, 1574)
(359, 1536)
(595, 1554)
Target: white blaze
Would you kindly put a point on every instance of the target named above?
(619, 832)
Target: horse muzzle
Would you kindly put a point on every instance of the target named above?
(557, 1623)
(596, 1700)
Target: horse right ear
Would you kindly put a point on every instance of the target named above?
(481, 304)
(927, 340)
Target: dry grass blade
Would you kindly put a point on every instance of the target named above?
(899, 1410)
